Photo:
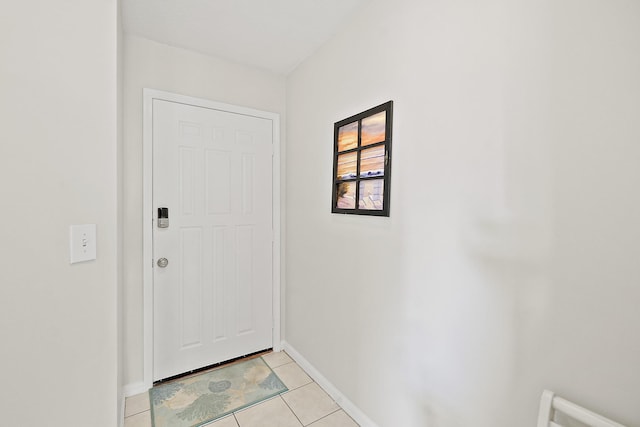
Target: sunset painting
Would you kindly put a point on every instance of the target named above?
(373, 128)
(371, 162)
(347, 165)
(362, 162)
(348, 137)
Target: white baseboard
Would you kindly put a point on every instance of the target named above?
(135, 388)
(348, 406)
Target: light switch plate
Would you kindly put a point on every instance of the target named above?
(82, 242)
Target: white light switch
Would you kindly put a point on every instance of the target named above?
(82, 243)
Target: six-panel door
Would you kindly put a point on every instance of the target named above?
(212, 170)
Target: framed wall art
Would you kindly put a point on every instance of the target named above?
(362, 162)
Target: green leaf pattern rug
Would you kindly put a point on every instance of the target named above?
(200, 399)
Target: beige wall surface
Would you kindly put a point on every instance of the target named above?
(148, 64)
(510, 261)
(58, 166)
(120, 162)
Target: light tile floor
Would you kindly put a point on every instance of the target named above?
(305, 404)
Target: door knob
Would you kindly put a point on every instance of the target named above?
(163, 262)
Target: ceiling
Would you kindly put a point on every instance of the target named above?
(275, 35)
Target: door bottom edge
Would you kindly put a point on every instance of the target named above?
(212, 366)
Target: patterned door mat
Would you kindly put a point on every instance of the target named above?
(202, 398)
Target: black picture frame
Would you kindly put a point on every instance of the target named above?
(362, 162)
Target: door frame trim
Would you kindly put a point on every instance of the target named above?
(147, 181)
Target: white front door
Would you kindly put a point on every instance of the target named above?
(212, 171)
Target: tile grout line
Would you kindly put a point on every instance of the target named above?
(328, 415)
(289, 390)
(292, 411)
(300, 386)
(137, 413)
(274, 367)
(257, 403)
(339, 408)
(273, 352)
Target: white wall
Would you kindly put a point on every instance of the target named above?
(58, 166)
(510, 261)
(120, 161)
(157, 66)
